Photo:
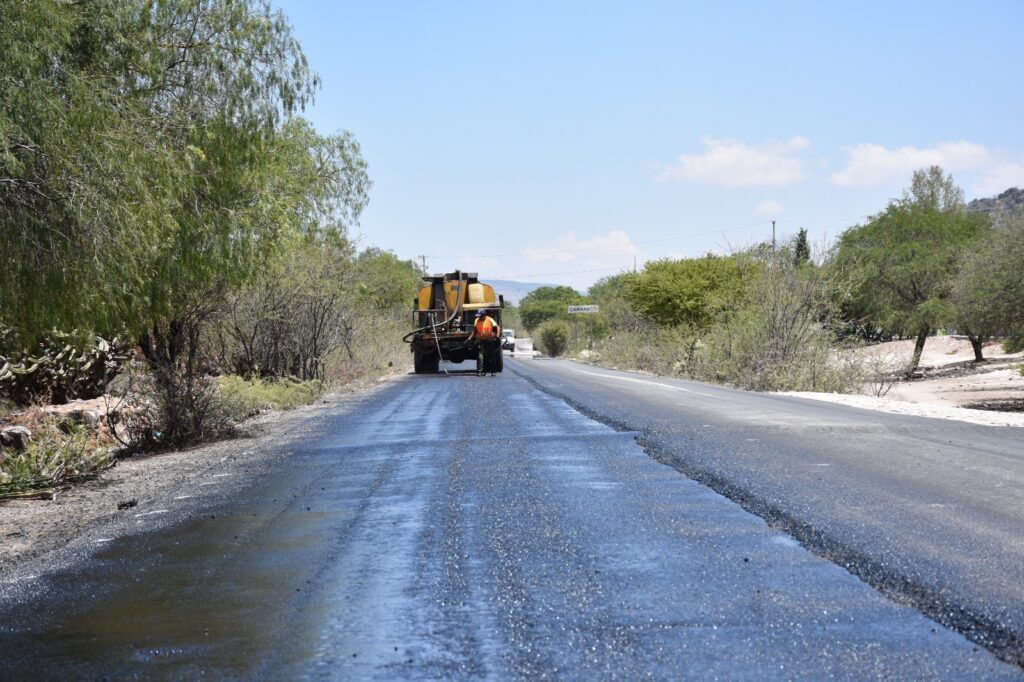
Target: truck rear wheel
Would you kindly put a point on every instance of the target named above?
(424, 362)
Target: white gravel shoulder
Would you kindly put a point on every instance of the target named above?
(986, 417)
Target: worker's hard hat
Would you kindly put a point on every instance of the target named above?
(479, 313)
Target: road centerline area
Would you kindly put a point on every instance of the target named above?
(473, 529)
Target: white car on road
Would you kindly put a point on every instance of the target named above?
(508, 340)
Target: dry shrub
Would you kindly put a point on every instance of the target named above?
(169, 409)
(376, 349)
(778, 338)
(666, 352)
(878, 372)
(742, 352)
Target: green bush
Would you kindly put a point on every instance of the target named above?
(244, 397)
(554, 337)
(690, 291)
(1013, 344)
(52, 458)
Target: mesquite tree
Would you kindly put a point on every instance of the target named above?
(903, 261)
(149, 156)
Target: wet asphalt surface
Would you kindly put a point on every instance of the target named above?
(457, 527)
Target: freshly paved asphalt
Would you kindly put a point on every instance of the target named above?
(930, 511)
(464, 527)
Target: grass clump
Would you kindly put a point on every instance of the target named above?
(53, 458)
(246, 397)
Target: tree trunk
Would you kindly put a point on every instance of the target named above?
(162, 344)
(922, 336)
(977, 341)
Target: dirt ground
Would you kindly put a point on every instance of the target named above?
(134, 493)
(951, 386)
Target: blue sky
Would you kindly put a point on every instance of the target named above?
(558, 141)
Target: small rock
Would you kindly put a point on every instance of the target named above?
(127, 504)
(90, 419)
(15, 437)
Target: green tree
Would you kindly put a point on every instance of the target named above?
(902, 262)
(548, 303)
(146, 156)
(989, 287)
(689, 291)
(616, 311)
(387, 284)
(801, 249)
(151, 163)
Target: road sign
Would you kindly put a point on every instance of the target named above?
(583, 309)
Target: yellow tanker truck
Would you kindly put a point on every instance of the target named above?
(443, 313)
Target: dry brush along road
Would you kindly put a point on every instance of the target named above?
(537, 524)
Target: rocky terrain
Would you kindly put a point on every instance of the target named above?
(998, 207)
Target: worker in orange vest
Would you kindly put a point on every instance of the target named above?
(487, 332)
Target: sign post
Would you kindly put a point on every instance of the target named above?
(584, 310)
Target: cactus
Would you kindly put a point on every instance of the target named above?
(63, 367)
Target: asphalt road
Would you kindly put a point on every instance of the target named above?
(460, 527)
(930, 511)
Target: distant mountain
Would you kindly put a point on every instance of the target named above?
(514, 291)
(998, 207)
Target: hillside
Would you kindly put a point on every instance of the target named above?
(515, 291)
(1010, 201)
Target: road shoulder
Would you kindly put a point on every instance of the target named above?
(145, 491)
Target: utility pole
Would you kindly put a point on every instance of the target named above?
(634, 265)
(773, 235)
(424, 259)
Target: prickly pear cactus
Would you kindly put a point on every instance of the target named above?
(62, 368)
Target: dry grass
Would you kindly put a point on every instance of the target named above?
(244, 398)
(53, 459)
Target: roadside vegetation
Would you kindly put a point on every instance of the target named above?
(170, 223)
(247, 397)
(54, 457)
(789, 317)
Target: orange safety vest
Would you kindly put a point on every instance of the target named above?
(485, 328)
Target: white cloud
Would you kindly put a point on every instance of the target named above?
(733, 163)
(615, 247)
(769, 207)
(872, 164)
(999, 178)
